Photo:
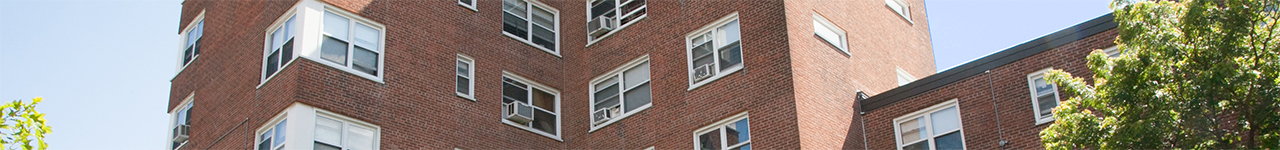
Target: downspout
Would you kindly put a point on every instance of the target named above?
(996, 107)
(862, 118)
(224, 135)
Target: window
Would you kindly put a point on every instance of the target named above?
(714, 51)
(273, 138)
(620, 93)
(936, 127)
(904, 78)
(1112, 52)
(469, 4)
(733, 133)
(352, 43)
(901, 7)
(533, 23)
(332, 133)
(280, 51)
(181, 124)
(830, 32)
(530, 105)
(1044, 96)
(466, 77)
(609, 16)
(191, 41)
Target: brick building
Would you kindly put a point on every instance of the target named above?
(999, 101)
(537, 74)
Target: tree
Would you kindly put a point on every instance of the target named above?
(1192, 74)
(22, 123)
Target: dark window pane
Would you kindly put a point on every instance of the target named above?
(322, 146)
(273, 61)
(515, 25)
(949, 141)
(468, 2)
(187, 55)
(629, 7)
(917, 146)
(365, 60)
(606, 103)
(637, 97)
(512, 92)
(544, 100)
(265, 144)
(464, 85)
(1047, 103)
(544, 37)
(544, 121)
(730, 56)
(334, 50)
(287, 52)
(609, 91)
(743, 147)
(738, 132)
(602, 7)
(632, 17)
(196, 49)
(709, 140)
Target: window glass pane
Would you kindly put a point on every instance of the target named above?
(182, 116)
(637, 97)
(277, 39)
(366, 61)
(951, 141)
(701, 51)
(1047, 102)
(545, 121)
(335, 25)
(827, 33)
(729, 32)
(464, 68)
(730, 56)
(709, 140)
(917, 146)
(514, 92)
(603, 7)
(912, 130)
(743, 147)
(280, 132)
(608, 91)
(544, 37)
(738, 132)
(328, 130)
(606, 103)
(1042, 87)
(464, 85)
(287, 52)
(467, 2)
(516, 7)
(606, 83)
(288, 28)
(265, 144)
(334, 50)
(607, 97)
(544, 100)
(359, 138)
(515, 25)
(945, 120)
(636, 75)
(273, 61)
(322, 146)
(544, 18)
(367, 37)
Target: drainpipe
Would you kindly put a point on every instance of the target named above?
(996, 107)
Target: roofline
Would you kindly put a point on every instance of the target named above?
(978, 66)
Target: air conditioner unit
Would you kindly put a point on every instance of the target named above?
(604, 115)
(601, 25)
(518, 112)
(181, 133)
(702, 72)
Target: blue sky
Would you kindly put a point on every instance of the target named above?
(103, 66)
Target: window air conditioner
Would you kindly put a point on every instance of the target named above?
(181, 133)
(604, 115)
(702, 72)
(518, 112)
(601, 25)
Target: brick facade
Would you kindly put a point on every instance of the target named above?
(795, 88)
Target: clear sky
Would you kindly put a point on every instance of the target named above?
(103, 66)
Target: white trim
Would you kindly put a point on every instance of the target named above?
(173, 120)
(619, 73)
(472, 6)
(618, 18)
(843, 44)
(271, 125)
(529, 25)
(471, 72)
(924, 113)
(535, 85)
(719, 73)
(1035, 102)
(903, 74)
(902, 8)
(277, 25)
(347, 122)
(182, 43)
(348, 66)
(720, 125)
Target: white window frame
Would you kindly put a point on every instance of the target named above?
(530, 25)
(1113, 51)
(530, 85)
(617, 18)
(904, 77)
(717, 44)
(279, 24)
(720, 126)
(619, 74)
(901, 7)
(820, 23)
(347, 122)
(897, 129)
(185, 105)
(271, 126)
(197, 22)
(471, 83)
(471, 6)
(1035, 102)
(349, 66)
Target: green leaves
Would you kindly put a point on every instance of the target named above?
(20, 123)
(1192, 74)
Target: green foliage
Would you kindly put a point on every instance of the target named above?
(22, 123)
(1192, 74)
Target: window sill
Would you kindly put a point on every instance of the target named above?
(555, 53)
(468, 97)
(273, 75)
(1043, 121)
(731, 70)
(606, 35)
(530, 129)
(624, 116)
(184, 67)
(471, 7)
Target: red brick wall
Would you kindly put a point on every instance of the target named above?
(977, 110)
